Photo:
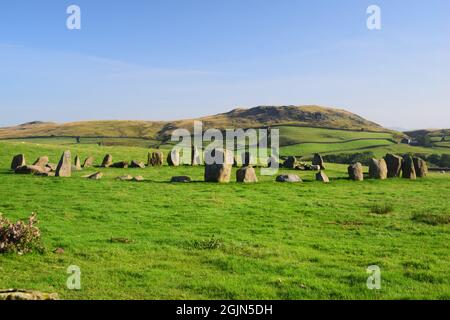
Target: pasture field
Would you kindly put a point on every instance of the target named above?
(208, 241)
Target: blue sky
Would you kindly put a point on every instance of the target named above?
(172, 59)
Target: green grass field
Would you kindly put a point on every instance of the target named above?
(209, 241)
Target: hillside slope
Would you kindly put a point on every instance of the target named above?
(308, 116)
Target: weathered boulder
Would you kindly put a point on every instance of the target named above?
(246, 174)
(378, 169)
(95, 176)
(355, 172)
(408, 169)
(421, 167)
(88, 162)
(18, 161)
(288, 178)
(180, 179)
(14, 294)
(52, 166)
(155, 159)
(107, 161)
(120, 164)
(394, 165)
(220, 169)
(77, 164)
(290, 163)
(195, 156)
(313, 167)
(137, 164)
(138, 179)
(125, 178)
(318, 161)
(64, 168)
(30, 169)
(41, 162)
(321, 176)
(173, 159)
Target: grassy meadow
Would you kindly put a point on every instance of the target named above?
(233, 241)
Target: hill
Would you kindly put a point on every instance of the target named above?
(431, 138)
(263, 116)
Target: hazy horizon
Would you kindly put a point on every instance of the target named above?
(169, 60)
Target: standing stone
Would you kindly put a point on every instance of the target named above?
(292, 178)
(137, 164)
(220, 169)
(18, 161)
(195, 156)
(155, 159)
(355, 172)
(89, 162)
(64, 168)
(246, 174)
(394, 165)
(378, 169)
(248, 159)
(318, 161)
(290, 163)
(421, 167)
(41, 162)
(173, 159)
(321, 176)
(77, 164)
(408, 170)
(107, 161)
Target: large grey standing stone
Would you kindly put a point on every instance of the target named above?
(421, 167)
(378, 169)
(64, 168)
(246, 174)
(137, 164)
(18, 161)
(321, 176)
(318, 161)
(290, 163)
(41, 162)
(394, 165)
(195, 156)
(77, 164)
(355, 172)
(107, 161)
(219, 171)
(408, 170)
(155, 159)
(89, 162)
(292, 178)
(173, 159)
